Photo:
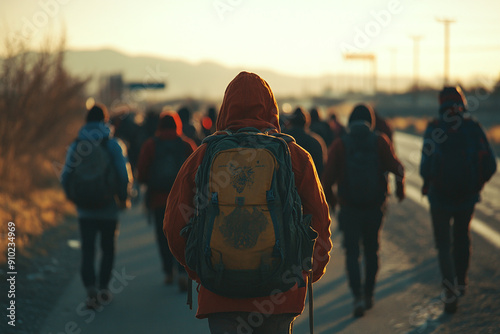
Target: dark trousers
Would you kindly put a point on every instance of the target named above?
(246, 323)
(89, 229)
(361, 227)
(453, 243)
(166, 256)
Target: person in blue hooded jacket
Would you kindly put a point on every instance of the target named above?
(103, 218)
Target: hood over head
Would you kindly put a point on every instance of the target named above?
(314, 113)
(248, 102)
(452, 98)
(300, 118)
(98, 113)
(364, 113)
(170, 120)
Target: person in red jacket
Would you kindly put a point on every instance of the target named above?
(167, 140)
(357, 163)
(249, 102)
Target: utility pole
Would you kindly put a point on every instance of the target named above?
(446, 23)
(416, 63)
(393, 86)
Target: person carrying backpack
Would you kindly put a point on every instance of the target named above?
(160, 159)
(457, 161)
(96, 177)
(358, 163)
(252, 215)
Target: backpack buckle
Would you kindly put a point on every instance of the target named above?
(277, 250)
(270, 196)
(215, 199)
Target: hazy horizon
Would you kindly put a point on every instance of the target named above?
(291, 38)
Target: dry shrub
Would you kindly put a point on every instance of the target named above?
(41, 105)
(39, 100)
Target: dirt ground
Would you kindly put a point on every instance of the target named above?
(43, 270)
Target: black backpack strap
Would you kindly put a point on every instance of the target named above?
(190, 294)
(249, 129)
(311, 303)
(216, 136)
(284, 136)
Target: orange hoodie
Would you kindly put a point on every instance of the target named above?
(249, 102)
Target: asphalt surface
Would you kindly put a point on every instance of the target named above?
(407, 298)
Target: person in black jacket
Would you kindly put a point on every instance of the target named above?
(320, 127)
(313, 143)
(457, 161)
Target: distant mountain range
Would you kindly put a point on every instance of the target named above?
(184, 79)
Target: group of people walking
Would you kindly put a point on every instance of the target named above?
(250, 205)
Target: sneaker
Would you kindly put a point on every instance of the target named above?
(359, 308)
(451, 307)
(451, 301)
(183, 283)
(105, 296)
(368, 302)
(92, 303)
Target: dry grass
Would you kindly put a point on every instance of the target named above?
(39, 100)
(494, 134)
(42, 210)
(41, 106)
(414, 124)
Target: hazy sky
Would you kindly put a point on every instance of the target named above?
(294, 37)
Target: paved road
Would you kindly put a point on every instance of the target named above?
(407, 296)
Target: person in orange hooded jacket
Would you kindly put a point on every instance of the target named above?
(249, 102)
